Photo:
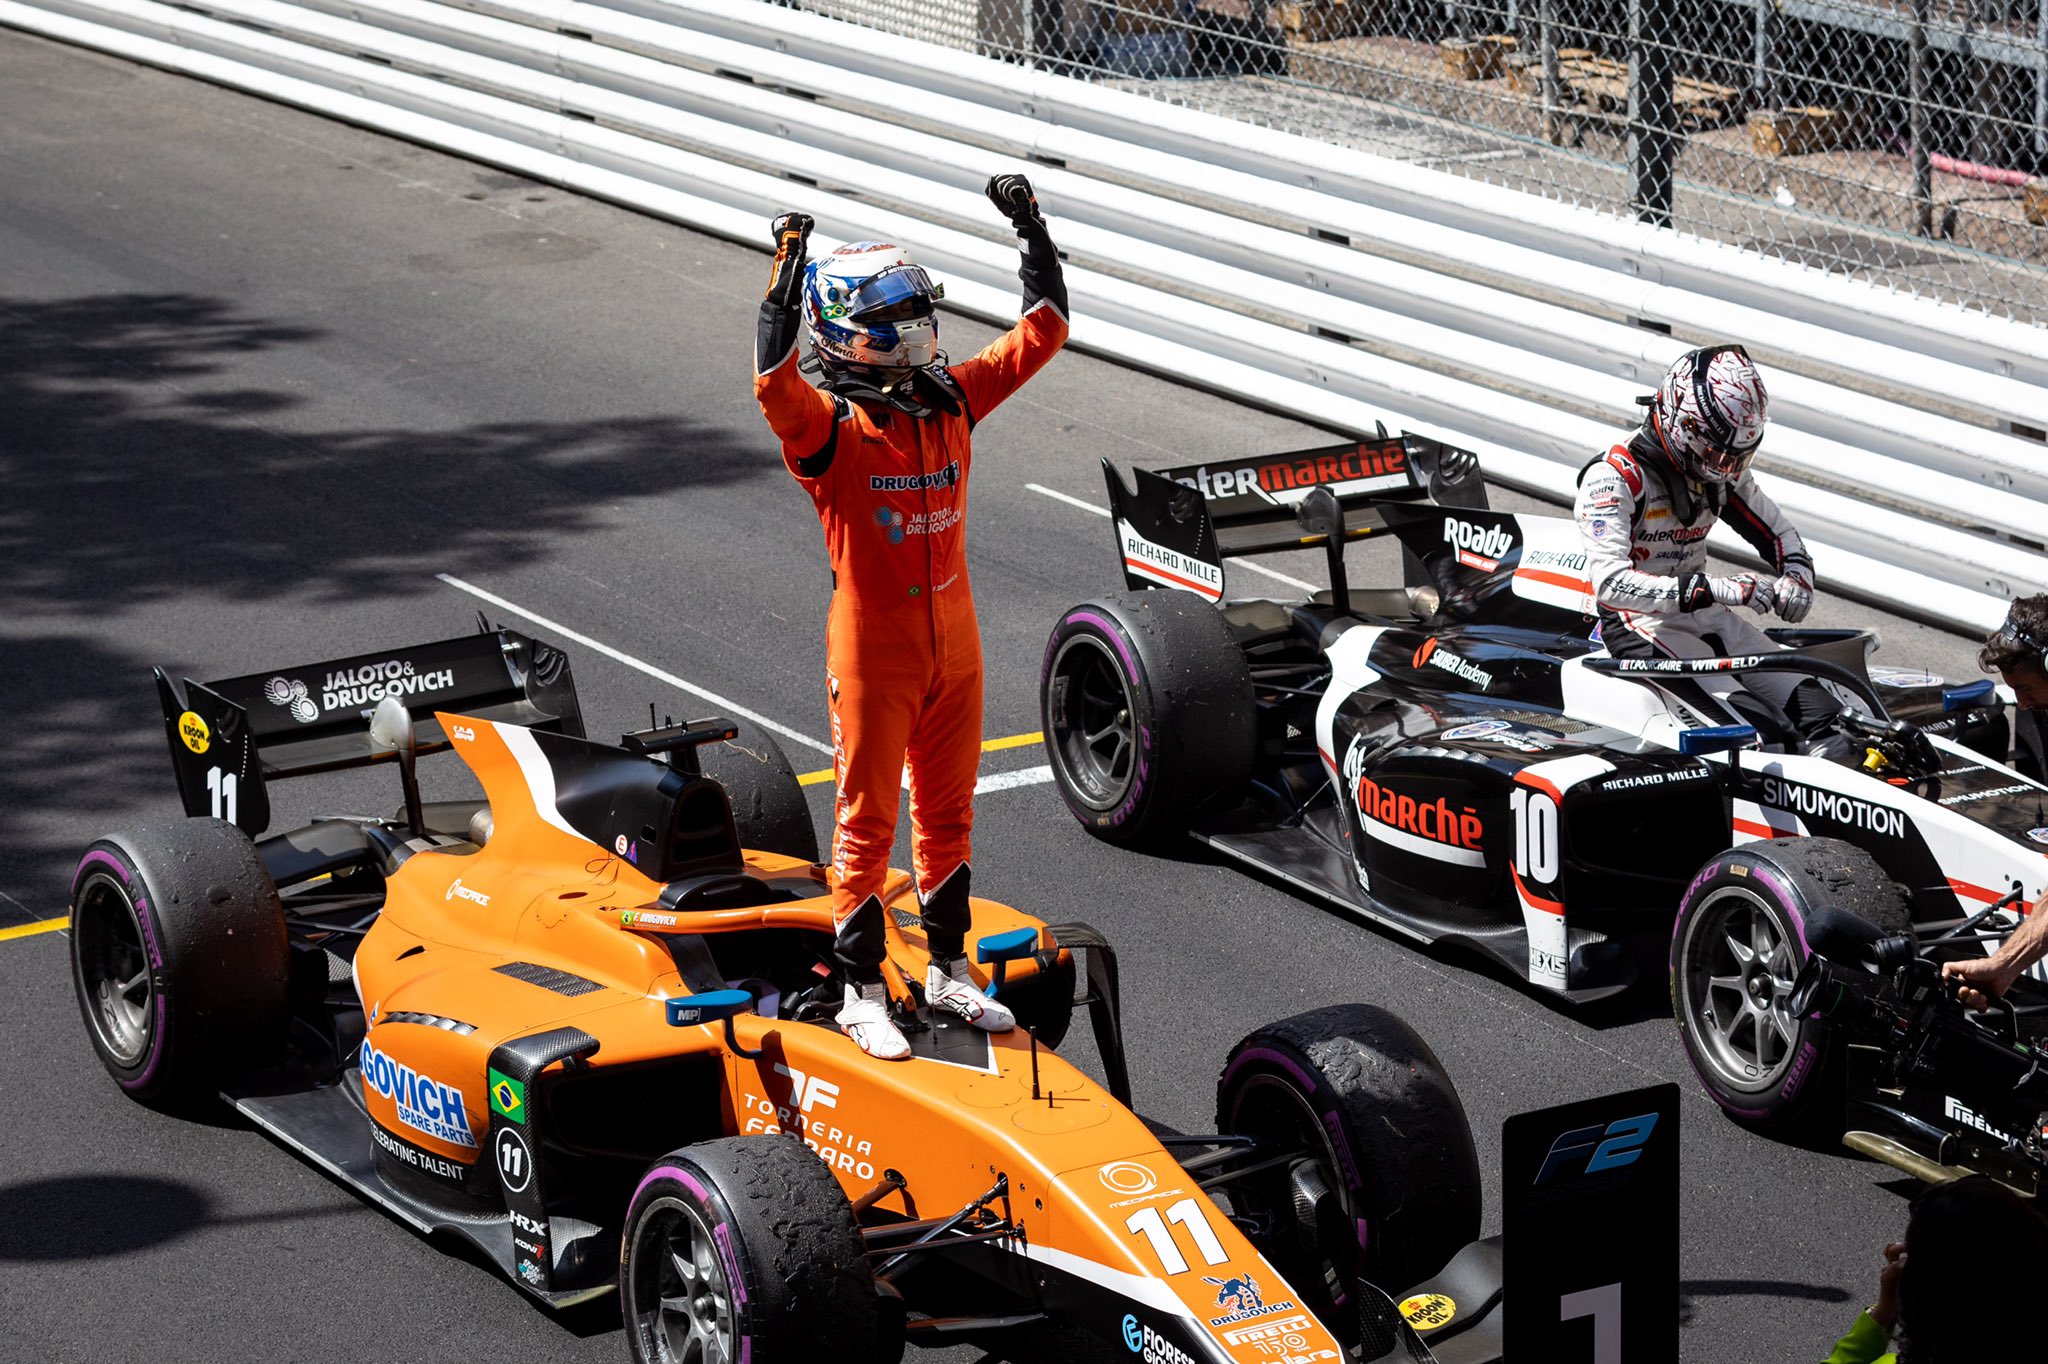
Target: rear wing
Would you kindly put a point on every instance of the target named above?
(229, 739)
(1175, 527)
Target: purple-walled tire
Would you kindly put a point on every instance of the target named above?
(1148, 712)
(746, 1249)
(1387, 1189)
(179, 958)
(1737, 945)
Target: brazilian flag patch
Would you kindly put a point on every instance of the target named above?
(508, 1097)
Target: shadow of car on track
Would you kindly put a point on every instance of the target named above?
(1646, 1000)
(1688, 1289)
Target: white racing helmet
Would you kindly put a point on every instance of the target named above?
(869, 308)
(1710, 413)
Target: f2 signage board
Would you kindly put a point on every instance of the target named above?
(1590, 1231)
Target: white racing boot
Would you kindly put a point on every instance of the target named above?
(951, 988)
(865, 1018)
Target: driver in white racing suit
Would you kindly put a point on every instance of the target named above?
(1644, 510)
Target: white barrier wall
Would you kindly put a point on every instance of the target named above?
(1349, 289)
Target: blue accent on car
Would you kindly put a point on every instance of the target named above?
(1018, 942)
(1969, 694)
(1715, 739)
(709, 1007)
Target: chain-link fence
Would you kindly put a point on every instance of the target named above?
(1904, 141)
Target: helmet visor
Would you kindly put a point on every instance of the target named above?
(899, 294)
(1726, 463)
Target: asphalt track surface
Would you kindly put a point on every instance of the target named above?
(264, 378)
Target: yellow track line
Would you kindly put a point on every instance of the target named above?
(992, 746)
(44, 926)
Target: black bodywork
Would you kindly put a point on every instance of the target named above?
(1416, 743)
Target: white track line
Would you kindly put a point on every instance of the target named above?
(998, 781)
(659, 674)
(1003, 781)
(1252, 564)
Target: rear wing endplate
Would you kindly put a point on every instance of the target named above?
(230, 738)
(1174, 527)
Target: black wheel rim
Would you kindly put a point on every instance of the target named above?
(1737, 965)
(1306, 1201)
(1094, 734)
(113, 969)
(682, 1293)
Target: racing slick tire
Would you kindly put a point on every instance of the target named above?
(1737, 946)
(1388, 1189)
(179, 957)
(1148, 712)
(768, 805)
(746, 1248)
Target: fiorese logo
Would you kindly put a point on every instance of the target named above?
(1152, 1347)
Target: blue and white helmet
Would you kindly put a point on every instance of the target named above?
(870, 307)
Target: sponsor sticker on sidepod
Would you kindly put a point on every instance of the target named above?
(424, 1103)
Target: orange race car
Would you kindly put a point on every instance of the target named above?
(584, 1023)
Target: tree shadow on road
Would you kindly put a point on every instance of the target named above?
(135, 471)
(139, 472)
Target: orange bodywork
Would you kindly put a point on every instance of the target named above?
(1092, 1191)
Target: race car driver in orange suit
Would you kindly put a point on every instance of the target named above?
(882, 445)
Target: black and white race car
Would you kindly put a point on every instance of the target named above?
(1457, 759)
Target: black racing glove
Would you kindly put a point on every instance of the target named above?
(1040, 273)
(776, 336)
(1012, 196)
(792, 236)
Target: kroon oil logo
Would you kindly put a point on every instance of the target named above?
(194, 732)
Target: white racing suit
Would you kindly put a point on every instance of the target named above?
(1644, 527)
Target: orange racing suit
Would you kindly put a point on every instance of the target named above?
(903, 651)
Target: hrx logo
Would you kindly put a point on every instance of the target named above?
(1613, 1146)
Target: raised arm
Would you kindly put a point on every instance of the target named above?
(1003, 366)
(799, 414)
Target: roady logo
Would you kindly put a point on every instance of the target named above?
(1480, 547)
(424, 1103)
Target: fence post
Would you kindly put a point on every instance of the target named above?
(1652, 114)
(1916, 120)
(1763, 81)
(1546, 23)
(2041, 83)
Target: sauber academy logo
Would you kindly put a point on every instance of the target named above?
(1429, 655)
(354, 688)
